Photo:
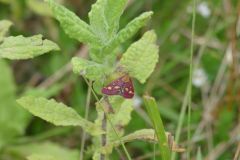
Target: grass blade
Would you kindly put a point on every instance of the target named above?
(155, 117)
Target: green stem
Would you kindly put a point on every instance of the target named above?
(110, 122)
(86, 117)
(190, 79)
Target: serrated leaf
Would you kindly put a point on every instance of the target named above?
(13, 119)
(129, 31)
(104, 18)
(90, 69)
(57, 113)
(113, 12)
(44, 149)
(4, 27)
(98, 21)
(41, 157)
(141, 57)
(73, 25)
(25, 47)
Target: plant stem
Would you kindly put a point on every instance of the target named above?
(86, 117)
(190, 79)
(104, 136)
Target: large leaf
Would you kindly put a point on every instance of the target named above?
(128, 31)
(4, 27)
(90, 69)
(141, 57)
(104, 18)
(73, 25)
(57, 113)
(49, 150)
(25, 47)
(13, 119)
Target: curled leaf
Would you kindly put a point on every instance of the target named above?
(20, 47)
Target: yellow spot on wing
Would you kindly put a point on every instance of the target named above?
(126, 89)
(116, 87)
(109, 88)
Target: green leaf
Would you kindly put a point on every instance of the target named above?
(4, 27)
(57, 113)
(90, 69)
(41, 157)
(25, 47)
(13, 119)
(73, 25)
(155, 117)
(44, 149)
(104, 18)
(141, 57)
(129, 31)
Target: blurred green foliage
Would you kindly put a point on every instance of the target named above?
(171, 20)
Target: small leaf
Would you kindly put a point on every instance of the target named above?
(104, 18)
(72, 25)
(57, 113)
(141, 57)
(90, 69)
(98, 20)
(43, 149)
(113, 12)
(4, 27)
(128, 31)
(25, 47)
(41, 157)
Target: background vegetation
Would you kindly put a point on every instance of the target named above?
(215, 127)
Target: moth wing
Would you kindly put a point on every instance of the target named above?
(114, 88)
(127, 89)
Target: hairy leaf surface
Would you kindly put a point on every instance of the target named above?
(57, 113)
(141, 57)
(20, 47)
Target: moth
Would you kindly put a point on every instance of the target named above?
(122, 86)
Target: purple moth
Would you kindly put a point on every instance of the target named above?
(122, 86)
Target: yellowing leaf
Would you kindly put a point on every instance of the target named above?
(25, 47)
(4, 27)
(57, 113)
(141, 57)
(73, 25)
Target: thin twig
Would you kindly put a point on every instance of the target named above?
(190, 78)
(86, 117)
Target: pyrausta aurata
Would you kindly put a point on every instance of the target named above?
(122, 86)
